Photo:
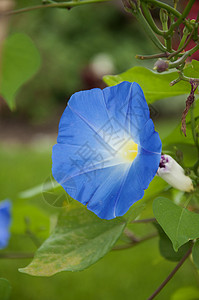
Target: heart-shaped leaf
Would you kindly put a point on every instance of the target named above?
(177, 222)
(166, 247)
(155, 86)
(20, 61)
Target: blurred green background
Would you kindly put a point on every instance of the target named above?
(70, 44)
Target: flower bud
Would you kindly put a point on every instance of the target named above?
(130, 4)
(186, 31)
(161, 65)
(164, 16)
(193, 21)
(174, 174)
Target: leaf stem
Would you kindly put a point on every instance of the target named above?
(130, 235)
(16, 255)
(34, 238)
(181, 18)
(171, 10)
(68, 5)
(135, 243)
(31, 235)
(181, 60)
(150, 20)
(183, 47)
(184, 78)
(184, 38)
(140, 17)
(158, 55)
(170, 276)
(149, 220)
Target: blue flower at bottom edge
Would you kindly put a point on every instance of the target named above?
(5, 220)
(107, 150)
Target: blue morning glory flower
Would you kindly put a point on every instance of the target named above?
(107, 150)
(5, 220)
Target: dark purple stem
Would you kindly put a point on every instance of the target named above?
(177, 267)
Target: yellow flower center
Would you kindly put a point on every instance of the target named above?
(129, 151)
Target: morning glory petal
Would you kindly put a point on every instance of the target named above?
(5, 220)
(146, 165)
(104, 191)
(74, 168)
(126, 103)
(115, 195)
(140, 174)
(107, 150)
(80, 102)
(149, 139)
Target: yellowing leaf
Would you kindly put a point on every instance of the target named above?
(78, 241)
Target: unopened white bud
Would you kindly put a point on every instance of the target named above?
(174, 174)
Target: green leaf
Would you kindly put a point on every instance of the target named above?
(37, 190)
(21, 60)
(192, 69)
(134, 211)
(177, 136)
(155, 86)
(166, 248)
(186, 293)
(178, 223)
(195, 254)
(189, 153)
(78, 241)
(5, 289)
(52, 192)
(156, 186)
(38, 220)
